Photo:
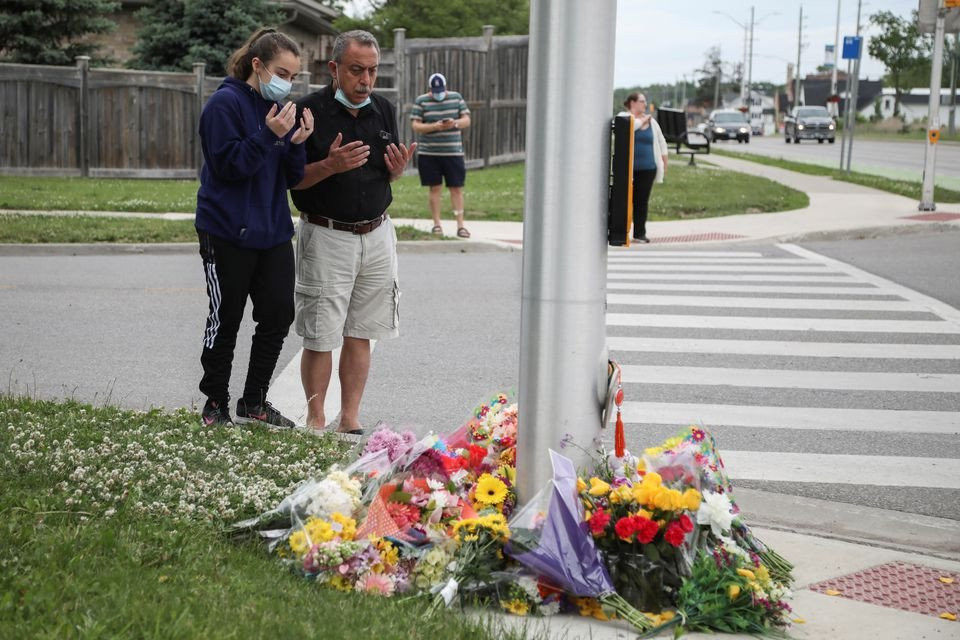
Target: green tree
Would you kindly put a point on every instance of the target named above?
(901, 48)
(160, 41)
(177, 33)
(53, 31)
(432, 19)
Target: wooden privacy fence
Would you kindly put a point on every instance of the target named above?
(78, 121)
(491, 74)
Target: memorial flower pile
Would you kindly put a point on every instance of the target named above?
(653, 541)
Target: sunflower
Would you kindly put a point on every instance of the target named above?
(490, 490)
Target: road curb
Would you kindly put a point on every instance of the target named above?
(910, 532)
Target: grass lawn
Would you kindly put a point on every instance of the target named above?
(111, 528)
(906, 188)
(35, 229)
(491, 194)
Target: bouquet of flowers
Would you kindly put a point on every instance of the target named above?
(696, 448)
(643, 526)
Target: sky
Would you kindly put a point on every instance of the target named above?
(660, 41)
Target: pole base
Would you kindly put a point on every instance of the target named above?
(927, 206)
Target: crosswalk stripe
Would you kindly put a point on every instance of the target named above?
(792, 379)
(942, 309)
(898, 471)
(716, 277)
(785, 348)
(751, 323)
(730, 261)
(722, 268)
(762, 303)
(687, 254)
(747, 288)
(820, 418)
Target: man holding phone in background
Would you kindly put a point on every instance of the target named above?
(438, 117)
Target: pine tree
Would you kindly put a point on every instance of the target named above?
(177, 33)
(160, 41)
(53, 31)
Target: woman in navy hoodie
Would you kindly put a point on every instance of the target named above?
(252, 152)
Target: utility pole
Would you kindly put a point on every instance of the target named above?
(796, 92)
(834, 106)
(716, 86)
(852, 106)
(750, 75)
(933, 120)
(955, 53)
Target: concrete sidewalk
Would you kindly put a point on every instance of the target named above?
(878, 595)
(834, 207)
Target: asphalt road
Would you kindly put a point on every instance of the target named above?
(127, 329)
(895, 159)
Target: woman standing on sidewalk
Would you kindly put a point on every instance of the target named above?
(252, 153)
(649, 160)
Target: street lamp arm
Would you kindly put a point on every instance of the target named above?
(734, 20)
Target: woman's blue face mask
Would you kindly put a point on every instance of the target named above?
(277, 89)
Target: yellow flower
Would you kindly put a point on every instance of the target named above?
(348, 526)
(388, 553)
(581, 485)
(490, 490)
(340, 583)
(763, 574)
(517, 606)
(653, 479)
(670, 443)
(298, 543)
(691, 499)
(746, 573)
(647, 494)
(641, 466)
(733, 591)
(319, 530)
(622, 494)
(598, 487)
(653, 451)
(669, 500)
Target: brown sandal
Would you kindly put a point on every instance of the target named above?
(463, 233)
(437, 230)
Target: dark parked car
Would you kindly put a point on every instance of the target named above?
(728, 124)
(809, 123)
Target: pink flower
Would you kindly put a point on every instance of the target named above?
(376, 583)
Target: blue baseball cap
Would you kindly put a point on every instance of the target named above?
(438, 84)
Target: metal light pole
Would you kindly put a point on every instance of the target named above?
(563, 359)
(834, 106)
(852, 104)
(796, 92)
(933, 120)
(743, 69)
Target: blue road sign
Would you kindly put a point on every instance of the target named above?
(851, 47)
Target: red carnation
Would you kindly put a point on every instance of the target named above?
(686, 523)
(625, 528)
(599, 522)
(674, 534)
(477, 455)
(646, 529)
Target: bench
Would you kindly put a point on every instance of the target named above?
(673, 123)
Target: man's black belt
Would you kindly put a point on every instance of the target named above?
(356, 228)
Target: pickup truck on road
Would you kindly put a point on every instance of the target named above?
(809, 123)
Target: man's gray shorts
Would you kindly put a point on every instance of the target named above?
(347, 285)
